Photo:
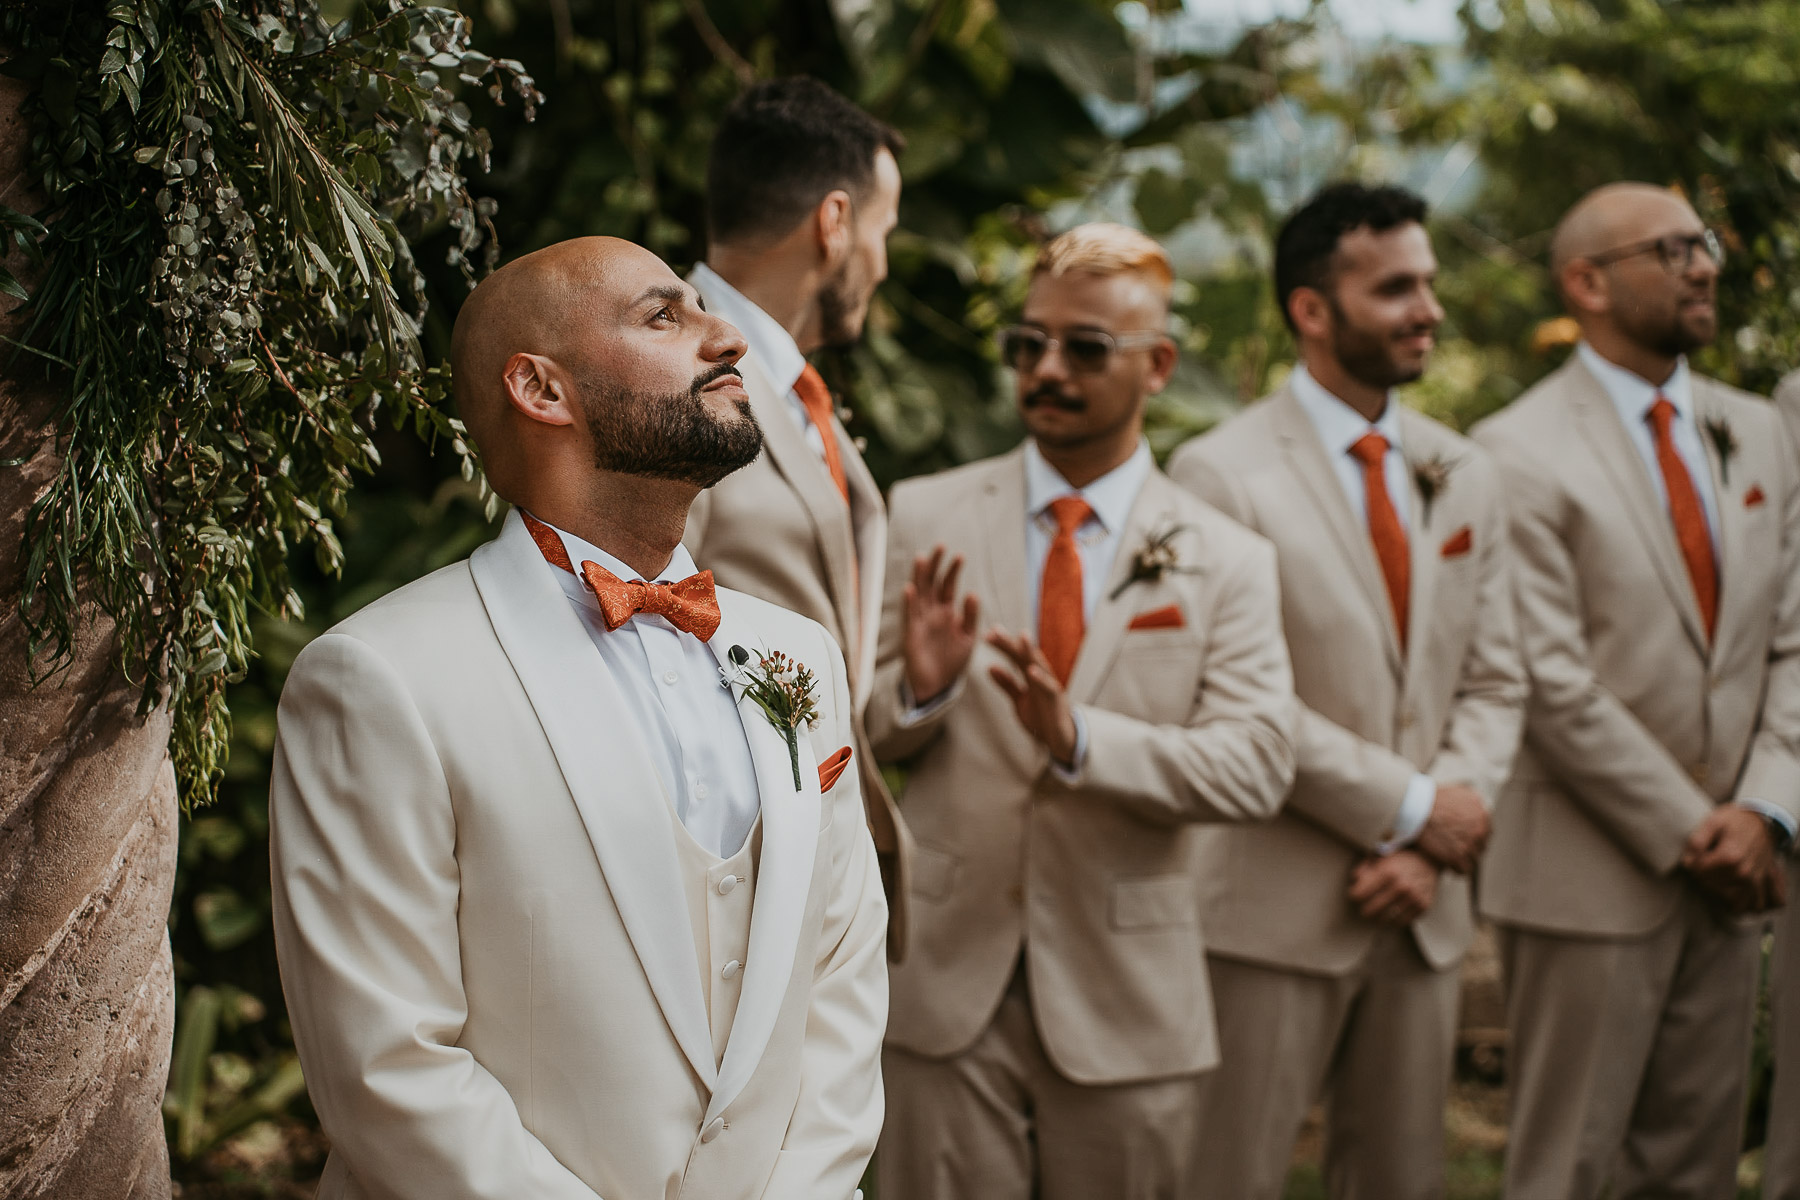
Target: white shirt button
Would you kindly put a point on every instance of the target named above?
(670, 677)
(731, 969)
(712, 1129)
(699, 791)
(728, 885)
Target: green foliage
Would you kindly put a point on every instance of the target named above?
(228, 304)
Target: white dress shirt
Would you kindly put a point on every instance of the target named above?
(1632, 395)
(689, 720)
(1340, 427)
(772, 346)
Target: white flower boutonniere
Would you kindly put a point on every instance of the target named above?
(1154, 559)
(1432, 475)
(1718, 431)
(783, 688)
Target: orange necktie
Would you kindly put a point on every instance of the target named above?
(1060, 618)
(1385, 529)
(813, 393)
(690, 605)
(1690, 519)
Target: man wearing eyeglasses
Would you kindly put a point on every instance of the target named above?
(1336, 931)
(1047, 1026)
(1655, 526)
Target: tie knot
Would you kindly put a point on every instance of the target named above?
(813, 393)
(1070, 513)
(1662, 414)
(1370, 449)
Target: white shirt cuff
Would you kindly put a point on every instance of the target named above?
(1773, 812)
(1072, 772)
(1415, 810)
(912, 712)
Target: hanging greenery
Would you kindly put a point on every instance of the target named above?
(227, 303)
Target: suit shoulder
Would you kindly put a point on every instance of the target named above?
(1252, 425)
(1541, 407)
(422, 604)
(1734, 400)
(948, 485)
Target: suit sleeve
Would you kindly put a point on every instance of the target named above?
(1354, 787)
(838, 1114)
(1234, 759)
(891, 737)
(1614, 768)
(365, 886)
(1487, 714)
(1772, 771)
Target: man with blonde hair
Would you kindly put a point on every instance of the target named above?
(1051, 1017)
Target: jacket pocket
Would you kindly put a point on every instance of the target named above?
(933, 872)
(1157, 900)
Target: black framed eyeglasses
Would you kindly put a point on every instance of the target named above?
(1675, 252)
(1085, 350)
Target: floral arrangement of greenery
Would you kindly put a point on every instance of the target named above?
(227, 304)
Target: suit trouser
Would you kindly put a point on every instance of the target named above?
(1629, 1058)
(999, 1122)
(1781, 1161)
(1379, 1043)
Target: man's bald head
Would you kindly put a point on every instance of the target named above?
(1615, 215)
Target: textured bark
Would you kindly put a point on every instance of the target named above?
(87, 864)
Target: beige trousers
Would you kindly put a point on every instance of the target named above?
(998, 1122)
(1629, 1059)
(1781, 1161)
(1378, 1043)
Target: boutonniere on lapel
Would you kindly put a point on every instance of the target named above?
(783, 688)
(1154, 559)
(1432, 477)
(1718, 432)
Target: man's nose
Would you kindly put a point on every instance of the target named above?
(724, 344)
(1052, 364)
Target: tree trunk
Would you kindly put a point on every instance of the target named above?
(87, 860)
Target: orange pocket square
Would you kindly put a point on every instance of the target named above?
(1754, 496)
(831, 768)
(1159, 618)
(1458, 544)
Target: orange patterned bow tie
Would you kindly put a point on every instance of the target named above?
(690, 605)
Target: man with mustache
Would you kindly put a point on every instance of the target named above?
(1336, 930)
(1655, 527)
(802, 190)
(1053, 1013)
(560, 914)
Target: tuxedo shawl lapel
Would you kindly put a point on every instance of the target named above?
(1317, 476)
(807, 474)
(790, 841)
(1002, 524)
(1599, 422)
(1733, 547)
(587, 720)
(1151, 512)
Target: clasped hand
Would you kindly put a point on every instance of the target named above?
(1732, 855)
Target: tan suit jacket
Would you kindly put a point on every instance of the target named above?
(1102, 878)
(1371, 717)
(485, 946)
(1636, 726)
(779, 529)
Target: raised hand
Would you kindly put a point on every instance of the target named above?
(939, 633)
(1732, 854)
(1396, 889)
(1457, 831)
(1039, 700)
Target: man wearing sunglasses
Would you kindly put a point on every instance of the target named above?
(1336, 932)
(1655, 526)
(1047, 1025)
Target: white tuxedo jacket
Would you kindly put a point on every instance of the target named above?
(484, 944)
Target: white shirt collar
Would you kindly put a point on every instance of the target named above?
(1110, 496)
(1632, 394)
(679, 567)
(1340, 426)
(771, 346)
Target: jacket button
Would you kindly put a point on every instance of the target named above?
(727, 885)
(712, 1129)
(731, 969)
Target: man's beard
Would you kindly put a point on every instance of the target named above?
(671, 436)
(1665, 333)
(839, 324)
(1366, 356)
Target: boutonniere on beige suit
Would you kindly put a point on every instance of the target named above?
(1155, 557)
(1718, 432)
(1432, 477)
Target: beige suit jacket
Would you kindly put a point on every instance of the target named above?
(1102, 878)
(778, 529)
(484, 944)
(1787, 399)
(1636, 726)
(1371, 717)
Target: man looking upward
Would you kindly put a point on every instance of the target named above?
(802, 190)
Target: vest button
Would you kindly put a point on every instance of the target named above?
(712, 1129)
(731, 969)
(728, 885)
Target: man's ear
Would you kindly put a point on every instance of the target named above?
(832, 227)
(1310, 312)
(1163, 356)
(1584, 288)
(534, 385)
